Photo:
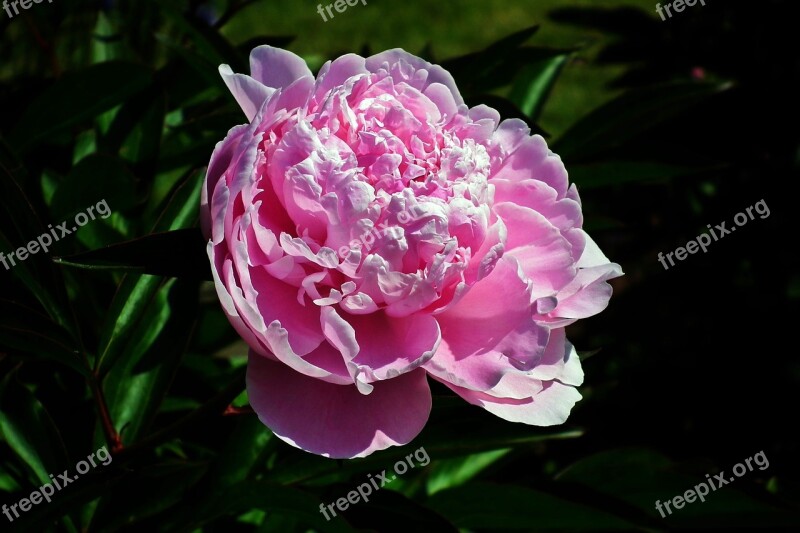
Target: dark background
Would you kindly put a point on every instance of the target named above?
(665, 126)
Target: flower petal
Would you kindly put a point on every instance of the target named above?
(249, 93)
(436, 74)
(337, 421)
(277, 68)
(549, 406)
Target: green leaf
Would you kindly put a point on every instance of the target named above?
(97, 177)
(26, 274)
(7, 481)
(22, 224)
(450, 473)
(178, 405)
(135, 292)
(105, 47)
(498, 65)
(151, 490)
(85, 145)
(513, 41)
(390, 507)
(242, 455)
(533, 84)
(210, 44)
(182, 208)
(238, 462)
(30, 432)
(137, 128)
(629, 115)
(77, 97)
(27, 331)
(449, 433)
(285, 501)
(86, 490)
(504, 507)
(476, 68)
(138, 381)
(199, 64)
(127, 309)
(179, 253)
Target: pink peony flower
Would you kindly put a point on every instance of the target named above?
(367, 230)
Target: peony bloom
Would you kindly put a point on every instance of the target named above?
(367, 230)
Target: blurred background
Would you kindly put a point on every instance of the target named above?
(666, 126)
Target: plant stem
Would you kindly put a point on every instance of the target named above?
(112, 437)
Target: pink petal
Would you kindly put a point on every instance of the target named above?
(220, 265)
(275, 67)
(498, 303)
(531, 159)
(337, 421)
(537, 195)
(560, 361)
(443, 98)
(510, 134)
(486, 257)
(592, 294)
(221, 159)
(249, 93)
(391, 346)
(545, 256)
(549, 406)
(592, 255)
(335, 73)
(436, 74)
(473, 328)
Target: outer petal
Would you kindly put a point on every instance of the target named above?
(436, 74)
(592, 255)
(542, 396)
(589, 292)
(592, 295)
(548, 407)
(481, 321)
(221, 159)
(491, 309)
(560, 361)
(337, 421)
(564, 214)
(277, 68)
(249, 93)
(531, 158)
(335, 73)
(543, 253)
(392, 346)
